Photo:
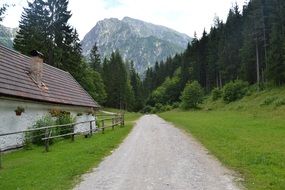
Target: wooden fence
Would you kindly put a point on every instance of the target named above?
(107, 121)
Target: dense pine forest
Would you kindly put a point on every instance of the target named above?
(247, 49)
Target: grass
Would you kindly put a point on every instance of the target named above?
(62, 166)
(248, 136)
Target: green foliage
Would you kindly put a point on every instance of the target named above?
(147, 109)
(233, 91)
(168, 92)
(279, 102)
(137, 88)
(92, 82)
(44, 27)
(276, 67)
(216, 94)
(65, 118)
(120, 93)
(60, 168)
(36, 136)
(269, 101)
(175, 105)
(192, 95)
(3, 9)
(95, 61)
(249, 46)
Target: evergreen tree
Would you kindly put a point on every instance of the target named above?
(44, 26)
(276, 67)
(3, 9)
(137, 87)
(276, 58)
(92, 82)
(244, 47)
(32, 32)
(95, 61)
(115, 75)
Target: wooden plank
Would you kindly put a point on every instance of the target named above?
(57, 136)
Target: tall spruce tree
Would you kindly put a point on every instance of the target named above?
(137, 89)
(95, 61)
(44, 26)
(3, 9)
(276, 58)
(115, 75)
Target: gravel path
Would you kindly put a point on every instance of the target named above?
(158, 156)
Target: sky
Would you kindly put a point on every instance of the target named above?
(185, 16)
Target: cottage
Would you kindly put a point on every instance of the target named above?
(30, 89)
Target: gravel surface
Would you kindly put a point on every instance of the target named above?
(158, 156)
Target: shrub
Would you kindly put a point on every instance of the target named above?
(279, 102)
(192, 95)
(234, 91)
(65, 118)
(147, 109)
(268, 101)
(216, 94)
(168, 108)
(36, 136)
(175, 105)
(159, 107)
(153, 110)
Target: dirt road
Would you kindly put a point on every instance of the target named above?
(158, 156)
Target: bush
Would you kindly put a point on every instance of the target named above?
(192, 95)
(279, 102)
(168, 108)
(268, 101)
(65, 118)
(175, 105)
(216, 94)
(234, 91)
(36, 136)
(147, 109)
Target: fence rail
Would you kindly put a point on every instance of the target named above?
(100, 125)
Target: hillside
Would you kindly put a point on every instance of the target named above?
(7, 35)
(268, 101)
(246, 135)
(142, 42)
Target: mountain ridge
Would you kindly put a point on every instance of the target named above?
(142, 42)
(7, 36)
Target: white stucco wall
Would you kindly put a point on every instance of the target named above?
(9, 122)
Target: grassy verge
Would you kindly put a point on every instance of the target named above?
(252, 143)
(62, 166)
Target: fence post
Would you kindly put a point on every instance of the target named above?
(91, 128)
(0, 158)
(103, 127)
(47, 140)
(113, 122)
(72, 136)
(123, 120)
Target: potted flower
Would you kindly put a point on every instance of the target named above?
(19, 110)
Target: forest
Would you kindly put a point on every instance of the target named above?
(248, 49)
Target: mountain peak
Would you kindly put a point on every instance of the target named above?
(139, 41)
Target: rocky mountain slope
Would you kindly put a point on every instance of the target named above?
(139, 41)
(7, 35)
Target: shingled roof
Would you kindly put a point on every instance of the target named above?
(62, 88)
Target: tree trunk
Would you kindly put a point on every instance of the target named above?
(220, 78)
(257, 64)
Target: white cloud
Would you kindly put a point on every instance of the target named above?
(184, 16)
